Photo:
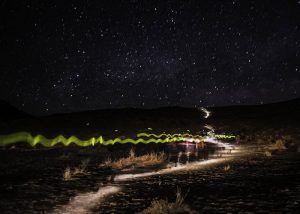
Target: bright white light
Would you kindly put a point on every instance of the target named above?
(209, 127)
(205, 111)
(217, 142)
(190, 140)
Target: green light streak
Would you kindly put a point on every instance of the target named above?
(167, 135)
(223, 136)
(220, 136)
(26, 137)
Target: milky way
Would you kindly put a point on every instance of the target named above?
(81, 55)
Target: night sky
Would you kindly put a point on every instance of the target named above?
(67, 56)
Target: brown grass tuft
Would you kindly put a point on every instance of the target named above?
(81, 169)
(268, 154)
(226, 168)
(78, 171)
(136, 161)
(279, 145)
(67, 175)
(164, 207)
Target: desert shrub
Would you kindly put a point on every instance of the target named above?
(164, 207)
(131, 153)
(78, 171)
(67, 175)
(136, 161)
(226, 168)
(107, 162)
(81, 169)
(278, 145)
(268, 154)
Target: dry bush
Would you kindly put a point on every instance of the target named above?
(136, 161)
(157, 207)
(226, 168)
(81, 169)
(131, 153)
(151, 159)
(277, 146)
(78, 171)
(107, 162)
(268, 154)
(179, 197)
(164, 207)
(67, 175)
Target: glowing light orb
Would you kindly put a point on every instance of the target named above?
(206, 112)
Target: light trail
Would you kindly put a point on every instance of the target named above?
(206, 112)
(83, 203)
(217, 142)
(125, 177)
(190, 166)
(167, 135)
(25, 137)
(223, 136)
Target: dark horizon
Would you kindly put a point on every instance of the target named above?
(293, 100)
(82, 55)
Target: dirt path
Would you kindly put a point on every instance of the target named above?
(248, 183)
(252, 184)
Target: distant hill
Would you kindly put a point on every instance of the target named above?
(9, 112)
(286, 109)
(116, 122)
(129, 121)
(274, 116)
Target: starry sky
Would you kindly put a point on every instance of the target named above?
(69, 56)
